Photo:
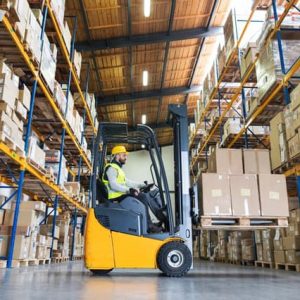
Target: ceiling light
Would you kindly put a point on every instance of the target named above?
(144, 119)
(145, 78)
(147, 8)
(143, 146)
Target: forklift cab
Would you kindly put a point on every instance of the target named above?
(116, 233)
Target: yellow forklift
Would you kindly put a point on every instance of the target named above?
(116, 234)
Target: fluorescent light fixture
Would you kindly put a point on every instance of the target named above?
(145, 78)
(144, 119)
(147, 6)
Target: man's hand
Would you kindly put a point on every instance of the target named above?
(133, 192)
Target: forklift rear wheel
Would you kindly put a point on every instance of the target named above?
(174, 259)
(100, 272)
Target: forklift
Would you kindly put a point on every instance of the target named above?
(116, 234)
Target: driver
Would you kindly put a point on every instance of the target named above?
(119, 187)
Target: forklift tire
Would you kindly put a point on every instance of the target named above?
(100, 272)
(174, 259)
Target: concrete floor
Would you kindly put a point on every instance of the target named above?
(207, 281)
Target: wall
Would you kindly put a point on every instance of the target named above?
(138, 165)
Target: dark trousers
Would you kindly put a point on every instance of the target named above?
(142, 198)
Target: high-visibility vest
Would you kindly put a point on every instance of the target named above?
(121, 179)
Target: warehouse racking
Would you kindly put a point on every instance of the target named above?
(230, 98)
(259, 116)
(32, 179)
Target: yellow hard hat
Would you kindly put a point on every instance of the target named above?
(118, 149)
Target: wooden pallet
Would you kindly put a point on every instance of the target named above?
(11, 144)
(29, 262)
(288, 267)
(264, 264)
(59, 259)
(77, 257)
(247, 262)
(242, 223)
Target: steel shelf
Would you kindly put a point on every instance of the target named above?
(277, 88)
(30, 64)
(35, 176)
(228, 63)
(70, 64)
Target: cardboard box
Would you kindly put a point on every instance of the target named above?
(21, 230)
(278, 244)
(216, 195)
(268, 255)
(256, 161)
(291, 243)
(21, 248)
(21, 111)
(294, 145)
(279, 257)
(4, 242)
(259, 252)
(2, 212)
(9, 90)
(292, 256)
(46, 229)
(273, 195)
(36, 153)
(26, 218)
(41, 252)
(73, 187)
(248, 58)
(279, 149)
(229, 161)
(258, 236)
(268, 244)
(25, 96)
(55, 245)
(268, 234)
(33, 244)
(295, 97)
(293, 229)
(295, 214)
(33, 205)
(244, 195)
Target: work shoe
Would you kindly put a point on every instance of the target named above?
(154, 229)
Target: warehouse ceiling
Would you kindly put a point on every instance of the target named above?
(176, 45)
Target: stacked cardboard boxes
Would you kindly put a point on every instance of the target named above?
(268, 68)
(285, 138)
(291, 242)
(52, 158)
(27, 239)
(14, 104)
(243, 185)
(78, 242)
(234, 125)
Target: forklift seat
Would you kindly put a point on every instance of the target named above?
(128, 216)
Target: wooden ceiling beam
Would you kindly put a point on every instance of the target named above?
(121, 42)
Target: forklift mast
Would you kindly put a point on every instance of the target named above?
(183, 215)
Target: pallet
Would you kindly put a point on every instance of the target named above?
(242, 223)
(29, 262)
(77, 257)
(264, 264)
(59, 259)
(11, 144)
(247, 262)
(288, 267)
(220, 260)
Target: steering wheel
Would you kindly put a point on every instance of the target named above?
(147, 188)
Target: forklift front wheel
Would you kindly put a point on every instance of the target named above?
(174, 259)
(100, 272)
